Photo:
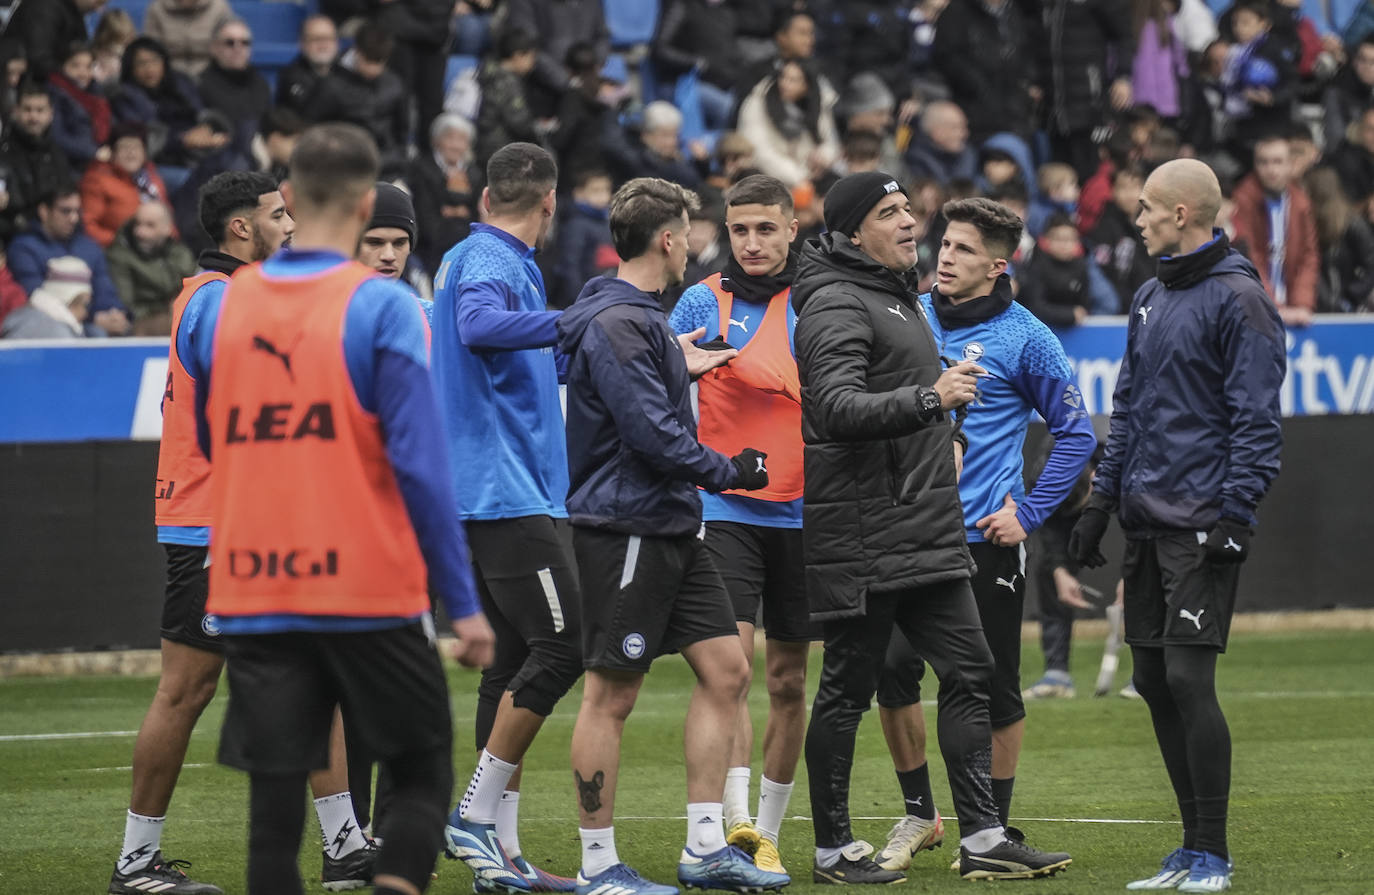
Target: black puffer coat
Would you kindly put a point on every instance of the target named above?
(882, 509)
(1078, 35)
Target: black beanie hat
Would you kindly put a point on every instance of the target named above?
(852, 197)
(393, 208)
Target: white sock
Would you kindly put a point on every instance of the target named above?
(142, 837)
(827, 857)
(484, 790)
(508, 822)
(598, 850)
(983, 840)
(773, 798)
(736, 804)
(339, 830)
(704, 832)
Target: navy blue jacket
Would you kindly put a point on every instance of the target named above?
(633, 457)
(1195, 417)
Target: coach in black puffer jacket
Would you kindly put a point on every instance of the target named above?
(882, 508)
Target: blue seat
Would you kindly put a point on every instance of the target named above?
(272, 22)
(456, 66)
(273, 54)
(631, 22)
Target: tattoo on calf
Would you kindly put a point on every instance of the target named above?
(589, 791)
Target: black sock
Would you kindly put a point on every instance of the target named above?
(1211, 826)
(916, 792)
(276, 820)
(1187, 812)
(1001, 794)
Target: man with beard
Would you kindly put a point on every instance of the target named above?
(755, 538)
(884, 529)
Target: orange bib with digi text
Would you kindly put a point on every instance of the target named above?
(182, 496)
(755, 400)
(308, 519)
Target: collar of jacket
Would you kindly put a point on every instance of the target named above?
(974, 311)
(220, 262)
(1186, 271)
(757, 289)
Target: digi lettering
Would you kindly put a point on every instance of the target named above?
(165, 487)
(302, 563)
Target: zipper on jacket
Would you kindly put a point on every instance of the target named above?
(892, 473)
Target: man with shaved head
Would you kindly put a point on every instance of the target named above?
(1193, 447)
(941, 151)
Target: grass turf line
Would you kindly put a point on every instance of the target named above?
(1300, 705)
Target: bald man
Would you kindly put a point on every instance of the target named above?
(1200, 379)
(941, 151)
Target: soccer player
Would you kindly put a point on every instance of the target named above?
(755, 539)
(972, 316)
(1200, 380)
(648, 584)
(497, 380)
(331, 499)
(884, 534)
(247, 217)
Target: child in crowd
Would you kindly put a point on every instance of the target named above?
(1054, 285)
(584, 237)
(1058, 194)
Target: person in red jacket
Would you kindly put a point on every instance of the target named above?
(1274, 217)
(111, 191)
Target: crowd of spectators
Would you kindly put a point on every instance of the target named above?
(1057, 108)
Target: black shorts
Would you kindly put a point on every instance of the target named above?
(283, 689)
(527, 580)
(1174, 595)
(643, 597)
(762, 565)
(999, 587)
(184, 619)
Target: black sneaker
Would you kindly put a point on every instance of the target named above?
(856, 868)
(1011, 859)
(352, 871)
(162, 876)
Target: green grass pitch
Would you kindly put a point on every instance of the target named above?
(1300, 705)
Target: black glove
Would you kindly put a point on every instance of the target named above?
(750, 473)
(1085, 541)
(716, 344)
(1228, 541)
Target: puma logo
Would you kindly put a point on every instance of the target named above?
(1144, 313)
(897, 309)
(1232, 545)
(1195, 619)
(1009, 585)
(261, 344)
(761, 466)
(742, 324)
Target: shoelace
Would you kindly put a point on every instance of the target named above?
(173, 867)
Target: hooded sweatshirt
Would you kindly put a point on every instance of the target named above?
(634, 461)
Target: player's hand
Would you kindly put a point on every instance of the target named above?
(1069, 590)
(958, 385)
(112, 320)
(1228, 542)
(476, 641)
(750, 472)
(1085, 541)
(1002, 528)
(699, 360)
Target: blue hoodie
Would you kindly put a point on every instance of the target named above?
(633, 457)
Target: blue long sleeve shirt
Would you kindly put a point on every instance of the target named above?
(697, 309)
(1029, 374)
(384, 351)
(496, 373)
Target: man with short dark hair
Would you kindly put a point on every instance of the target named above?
(497, 378)
(368, 95)
(246, 217)
(1204, 365)
(884, 530)
(755, 538)
(1274, 217)
(57, 231)
(316, 390)
(972, 316)
(37, 165)
(649, 586)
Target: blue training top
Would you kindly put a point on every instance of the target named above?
(697, 309)
(496, 375)
(384, 351)
(1029, 373)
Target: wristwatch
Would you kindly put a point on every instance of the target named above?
(927, 402)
